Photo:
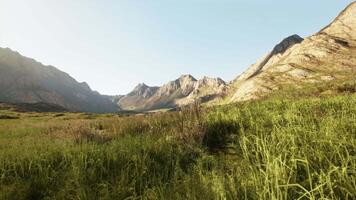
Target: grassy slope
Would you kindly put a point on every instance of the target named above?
(298, 143)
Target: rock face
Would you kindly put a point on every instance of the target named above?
(181, 91)
(206, 89)
(24, 80)
(326, 55)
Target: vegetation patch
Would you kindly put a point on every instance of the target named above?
(275, 148)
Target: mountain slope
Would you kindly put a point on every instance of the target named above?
(24, 80)
(270, 58)
(327, 55)
(179, 92)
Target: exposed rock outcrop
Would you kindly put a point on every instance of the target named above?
(206, 89)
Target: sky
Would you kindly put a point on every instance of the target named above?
(115, 44)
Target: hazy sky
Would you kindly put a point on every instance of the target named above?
(115, 44)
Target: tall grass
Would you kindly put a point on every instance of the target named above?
(271, 149)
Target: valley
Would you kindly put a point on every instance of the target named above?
(283, 129)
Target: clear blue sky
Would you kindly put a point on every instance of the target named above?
(115, 44)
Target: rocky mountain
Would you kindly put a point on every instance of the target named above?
(137, 98)
(327, 55)
(270, 58)
(181, 91)
(206, 89)
(24, 80)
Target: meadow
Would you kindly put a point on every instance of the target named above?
(292, 145)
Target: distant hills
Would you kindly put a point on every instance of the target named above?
(24, 80)
(327, 55)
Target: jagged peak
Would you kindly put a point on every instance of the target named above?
(143, 90)
(141, 85)
(286, 43)
(85, 85)
(187, 77)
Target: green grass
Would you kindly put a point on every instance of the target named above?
(282, 147)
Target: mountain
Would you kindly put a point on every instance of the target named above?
(181, 91)
(24, 80)
(327, 55)
(206, 89)
(270, 58)
(137, 98)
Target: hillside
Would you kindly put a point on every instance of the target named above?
(24, 80)
(325, 56)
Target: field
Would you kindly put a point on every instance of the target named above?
(296, 146)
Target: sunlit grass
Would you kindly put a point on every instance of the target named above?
(276, 148)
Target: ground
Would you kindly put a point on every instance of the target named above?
(296, 143)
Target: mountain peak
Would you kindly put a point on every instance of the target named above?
(187, 77)
(344, 24)
(140, 85)
(286, 43)
(140, 88)
(143, 90)
(85, 85)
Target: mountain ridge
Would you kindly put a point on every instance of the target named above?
(25, 80)
(178, 92)
(326, 55)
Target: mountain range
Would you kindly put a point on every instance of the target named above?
(179, 92)
(327, 55)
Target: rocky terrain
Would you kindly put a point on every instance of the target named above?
(179, 92)
(327, 55)
(24, 80)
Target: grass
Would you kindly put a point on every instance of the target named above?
(281, 147)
